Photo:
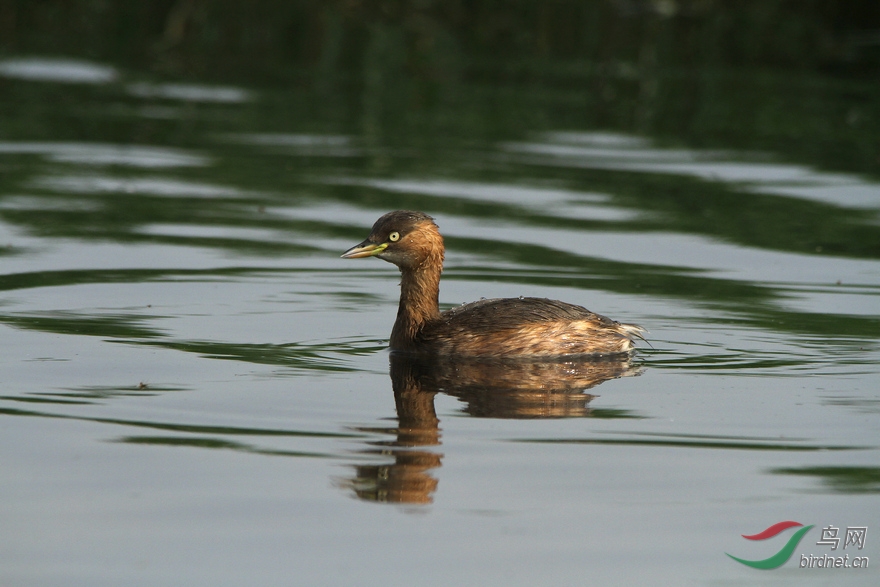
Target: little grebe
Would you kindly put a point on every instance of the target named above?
(509, 327)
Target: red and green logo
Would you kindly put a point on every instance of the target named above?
(778, 559)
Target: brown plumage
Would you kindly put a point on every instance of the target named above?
(508, 327)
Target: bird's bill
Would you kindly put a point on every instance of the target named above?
(365, 249)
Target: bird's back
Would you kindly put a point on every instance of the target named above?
(509, 327)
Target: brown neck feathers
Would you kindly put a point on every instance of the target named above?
(419, 298)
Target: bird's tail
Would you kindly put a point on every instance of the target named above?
(633, 331)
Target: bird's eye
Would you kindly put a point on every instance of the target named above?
(394, 237)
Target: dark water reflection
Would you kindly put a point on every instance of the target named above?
(840, 479)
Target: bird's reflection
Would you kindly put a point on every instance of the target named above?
(488, 389)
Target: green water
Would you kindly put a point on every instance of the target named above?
(174, 312)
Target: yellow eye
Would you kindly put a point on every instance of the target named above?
(394, 237)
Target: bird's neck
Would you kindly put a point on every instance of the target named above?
(419, 302)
